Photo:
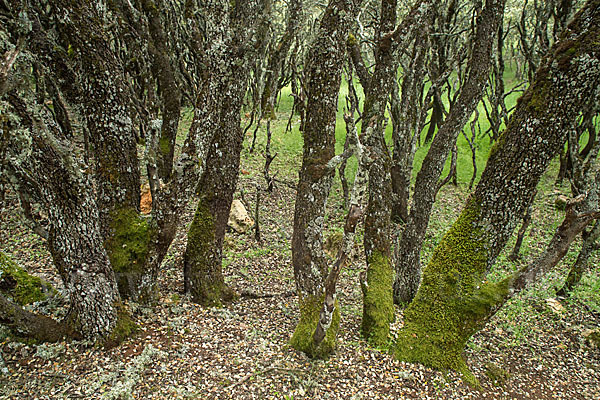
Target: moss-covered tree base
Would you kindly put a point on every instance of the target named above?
(124, 328)
(19, 286)
(127, 248)
(452, 301)
(378, 301)
(302, 339)
(214, 295)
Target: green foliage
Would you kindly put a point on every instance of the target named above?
(22, 287)
(302, 340)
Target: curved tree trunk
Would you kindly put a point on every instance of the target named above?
(454, 299)
(408, 265)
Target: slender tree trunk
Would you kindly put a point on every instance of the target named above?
(454, 299)
(278, 56)
(581, 265)
(221, 111)
(378, 306)
(170, 95)
(323, 72)
(408, 268)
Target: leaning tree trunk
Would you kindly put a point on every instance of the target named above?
(454, 299)
(323, 73)
(408, 268)
(229, 54)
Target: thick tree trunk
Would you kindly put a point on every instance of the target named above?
(74, 236)
(454, 298)
(408, 265)
(110, 131)
(323, 73)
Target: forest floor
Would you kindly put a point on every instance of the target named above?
(534, 348)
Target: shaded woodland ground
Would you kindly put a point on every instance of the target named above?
(536, 347)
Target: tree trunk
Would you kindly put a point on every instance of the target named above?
(323, 72)
(170, 95)
(74, 237)
(408, 268)
(581, 265)
(30, 325)
(454, 299)
(220, 114)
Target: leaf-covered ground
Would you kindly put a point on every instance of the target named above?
(536, 347)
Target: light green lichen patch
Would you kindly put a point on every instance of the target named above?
(302, 339)
(20, 286)
(378, 301)
(453, 299)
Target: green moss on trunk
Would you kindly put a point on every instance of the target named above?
(127, 248)
(20, 286)
(302, 340)
(452, 301)
(203, 276)
(124, 328)
(378, 301)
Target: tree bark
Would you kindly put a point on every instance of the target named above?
(408, 268)
(53, 178)
(229, 34)
(455, 299)
(170, 95)
(323, 72)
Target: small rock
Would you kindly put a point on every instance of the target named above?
(239, 220)
(555, 305)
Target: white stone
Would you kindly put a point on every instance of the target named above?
(239, 220)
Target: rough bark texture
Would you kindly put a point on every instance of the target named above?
(378, 307)
(454, 298)
(407, 264)
(109, 128)
(74, 236)
(170, 95)
(323, 73)
(229, 53)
